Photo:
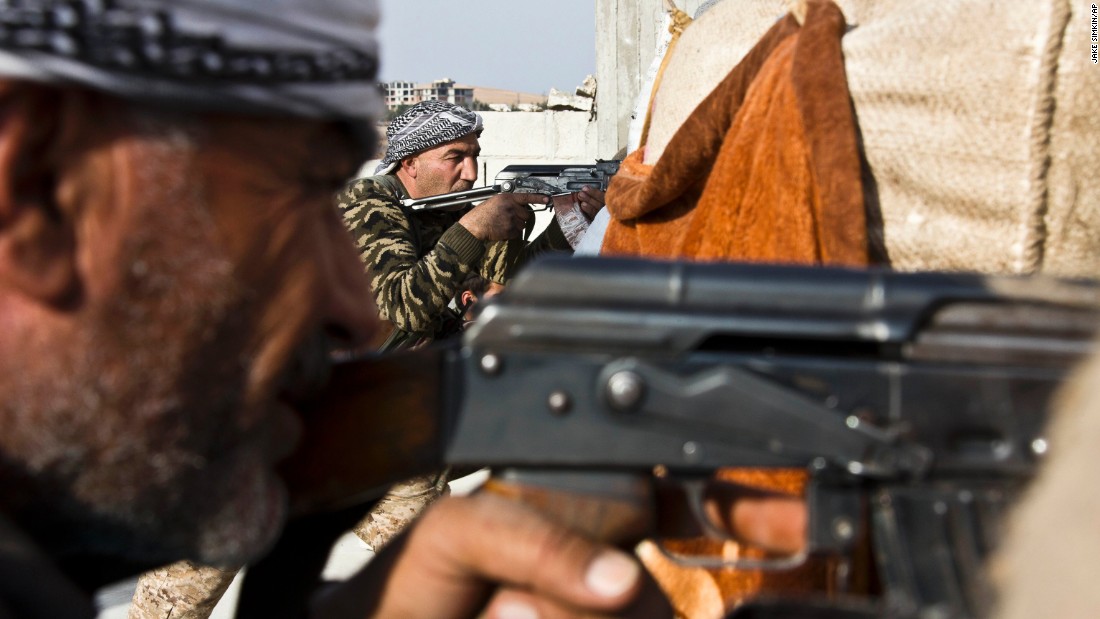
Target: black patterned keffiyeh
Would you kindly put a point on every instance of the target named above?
(312, 58)
(423, 126)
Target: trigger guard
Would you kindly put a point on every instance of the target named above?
(694, 491)
(529, 227)
(717, 563)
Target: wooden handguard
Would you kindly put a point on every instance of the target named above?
(621, 513)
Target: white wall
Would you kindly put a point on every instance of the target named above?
(533, 138)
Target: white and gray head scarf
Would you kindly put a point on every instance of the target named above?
(423, 126)
(311, 58)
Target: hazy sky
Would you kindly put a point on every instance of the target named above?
(524, 45)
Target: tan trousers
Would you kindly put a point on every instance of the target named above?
(186, 590)
(183, 590)
(404, 502)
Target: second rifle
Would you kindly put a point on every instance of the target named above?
(548, 180)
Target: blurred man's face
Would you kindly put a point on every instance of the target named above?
(446, 168)
(470, 300)
(214, 266)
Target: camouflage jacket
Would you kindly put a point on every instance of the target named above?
(417, 261)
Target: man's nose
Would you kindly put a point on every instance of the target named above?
(469, 169)
(350, 315)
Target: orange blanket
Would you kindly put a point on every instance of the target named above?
(765, 169)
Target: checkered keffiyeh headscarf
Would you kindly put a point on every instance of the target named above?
(311, 58)
(423, 126)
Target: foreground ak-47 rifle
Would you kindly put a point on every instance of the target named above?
(916, 402)
(548, 180)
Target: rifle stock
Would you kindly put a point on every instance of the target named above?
(378, 423)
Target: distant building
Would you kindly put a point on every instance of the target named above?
(400, 93)
(410, 93)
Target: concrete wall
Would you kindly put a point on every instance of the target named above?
(535, 137)
(626, 37)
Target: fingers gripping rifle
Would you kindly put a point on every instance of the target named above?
(916, 402)
(548, 180)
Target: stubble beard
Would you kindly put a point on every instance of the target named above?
(129, 430)
(433, 184)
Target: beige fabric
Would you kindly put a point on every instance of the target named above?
(183, 590)
(707, 50)
(401, 505)
(1049, 561)
(975, 169)
(186, 590)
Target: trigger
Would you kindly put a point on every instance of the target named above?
(694, 491)
(529, 227)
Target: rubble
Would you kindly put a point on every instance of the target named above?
(583, 101)
(587, 88)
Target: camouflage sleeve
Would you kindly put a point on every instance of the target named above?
(411, 291)
(504, 258)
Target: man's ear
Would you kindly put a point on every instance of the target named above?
(468, 298)
(37, 256)
(410, 166)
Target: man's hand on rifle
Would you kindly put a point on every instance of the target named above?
(491, 557)
(501, 217)
(590, 200)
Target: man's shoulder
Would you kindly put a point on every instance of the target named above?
(378, 195)
(384, 185)
(383, 188)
